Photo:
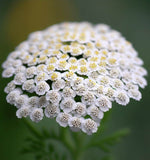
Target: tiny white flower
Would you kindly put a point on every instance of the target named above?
(52, 60)
(21, 100)
(67, 105)
(63, 56)
(23, 46)
(35, 36)
(69, 75)
(80, 90)
(92, 66)
(8, 72)
(68, 92)
(104, 80)
(135, 94)
(110, 93)
(62, 65)
(50, 68)
(138, 61)
(20, 69)
(27, 59)
(76, 82)
(23, 112)
(89, 126)
(102, 28)
(75, 51)
(102, 44)
(115, 72)
(42, 102)
(12, 96)
(29, 86)
(82, 62)
(127, 76)
(88, 53)
(122, 98)
(88, 98)
(141, 71)
(31, 72)
(95, 113)
(14, 54)
(99, 90)
(33, 61)
(58, 84)
(8, 63)
(72, 60)
(118, 84)
(42, 76)
(102, 71)
(41, 88)
(111, 61)
(33, 101)
(83, 70)
(23, 54)
(10, 87)
(79, 109)
(103, 103)
(140, 81)
(17, 63)
(52, 111)
(53, 96)
(75, 123)
(91, 84)
(19, 78)
(41, 68)
(131, 86)
(55, 76)
(36, 115)
(93, 75)
(63, 119)
(42, 59)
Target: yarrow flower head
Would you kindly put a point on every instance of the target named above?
(73, 72)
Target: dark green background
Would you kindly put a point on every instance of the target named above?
(132, 19)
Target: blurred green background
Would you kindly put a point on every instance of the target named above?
(132, 18)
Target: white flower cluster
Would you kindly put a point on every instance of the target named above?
(73, 72)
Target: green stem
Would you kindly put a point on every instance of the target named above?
(32, 129)
(79, 149)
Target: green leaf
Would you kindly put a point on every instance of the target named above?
(105, 143)
(107, 158)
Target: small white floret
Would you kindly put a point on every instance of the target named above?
(8, 72)
(23, 112)
(88, 98)
(58, 84)
(36, 115)
(21, 100)
(89, 126)
(53, 96)
(122, 98)
(41, 88)
(135, 94)
(29, 86)
(63, 119)
(103, 103)
(75, 123)
(79, 109)
(95, 113)
(19, 78)
(10, 87)
(67, 105)
(52, 111)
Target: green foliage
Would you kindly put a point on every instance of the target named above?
(63, 144)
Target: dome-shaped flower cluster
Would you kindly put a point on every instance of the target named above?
(73, 72)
